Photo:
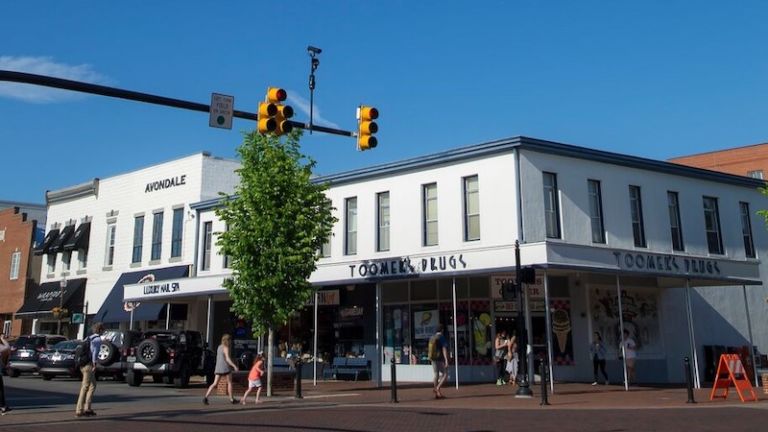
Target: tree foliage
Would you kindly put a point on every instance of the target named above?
(276, 222)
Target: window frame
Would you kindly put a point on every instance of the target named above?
(596, 203)
(383, 227)
(109, 255)
(468, 194)
(675, 221)
(636, 215)
(427, 219)
(350, 231)
(718, 231)
(15, 265)
(177, 232)
(746, 230)
(156, 253)
(552, 228)
(205, 259)
(138, 239)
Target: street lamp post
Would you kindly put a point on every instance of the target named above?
(62, 285)
(523, 389)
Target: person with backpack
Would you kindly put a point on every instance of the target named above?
(437, 351)
(85, 356)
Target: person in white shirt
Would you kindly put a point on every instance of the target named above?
(4, 346)
(629, 347)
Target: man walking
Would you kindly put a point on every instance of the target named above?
(438, 355)
(4, 346)
(87, 364)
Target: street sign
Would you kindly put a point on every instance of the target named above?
(222, 107)
(78, 318)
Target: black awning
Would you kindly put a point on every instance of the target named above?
(113, 310)
(49, 239)
(58, 245)
(45, 297)
(79, 240)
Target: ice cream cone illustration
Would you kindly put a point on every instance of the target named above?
(561, 326)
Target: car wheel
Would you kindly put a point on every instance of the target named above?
(148, 352)
(134, 378)
(106, 354)
(47, 377)
(13, 373)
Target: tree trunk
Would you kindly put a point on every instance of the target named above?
(270, 356)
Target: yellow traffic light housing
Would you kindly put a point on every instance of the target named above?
(273, 116)
(366, 127)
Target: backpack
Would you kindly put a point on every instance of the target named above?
(83, 353)
(433, 349)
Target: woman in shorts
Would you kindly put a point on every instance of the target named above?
(224, 368)
(254, 378)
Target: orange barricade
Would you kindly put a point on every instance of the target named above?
(730, 370)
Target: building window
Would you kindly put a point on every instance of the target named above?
(82, 258)
(177, 232)
(207, 241)
(157, 236)
(746, 230)
(227, 258)
(596, 211)
(636, 209)
(66, 258)
(675, 224)
(429, 203)
(551, 206)
(471, 208)
(109, 257)
(712, 226)
(350, 226)
(758, 174)
(15, 264)
(382, 218)
(51, 263)
(138, 239)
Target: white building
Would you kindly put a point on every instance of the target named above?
(431, 240)
(119, 230)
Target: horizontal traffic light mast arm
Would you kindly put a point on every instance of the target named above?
(47, 81)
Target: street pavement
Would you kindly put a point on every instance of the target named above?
(348, 406)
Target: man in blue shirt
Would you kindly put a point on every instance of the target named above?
(88, 370)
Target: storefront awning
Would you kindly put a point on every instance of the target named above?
(50, 238)
(113, 308)
(58, 245)
(45, 297)
(79, 240)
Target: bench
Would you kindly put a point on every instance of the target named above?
(350, 366)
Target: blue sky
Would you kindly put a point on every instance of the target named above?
(656, 79)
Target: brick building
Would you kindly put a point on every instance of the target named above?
(19, 267)
(750, 161)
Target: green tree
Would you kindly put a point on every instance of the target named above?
(277, 221)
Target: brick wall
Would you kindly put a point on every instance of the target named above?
(737, 161)
(16, 235)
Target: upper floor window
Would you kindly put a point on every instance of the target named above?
(177, 231)
(157, 236)
(138, 239)
(382, 218)
(15, 264)
(66, 258)
(51, 263)
(551, 206)
(596, 211)
(429, 204)
(675, 224)
(350, 226)
(636, 210)
(758, 174)
(227, 258)
(712, 226)
(82, 258)
(109, 257)
(746, 230)
(471, 208)
(207, 244)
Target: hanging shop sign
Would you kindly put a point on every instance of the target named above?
(325, 298)
(406, 266)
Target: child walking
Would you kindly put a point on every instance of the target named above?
(254, 378)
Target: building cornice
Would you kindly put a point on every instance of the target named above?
(73, 192)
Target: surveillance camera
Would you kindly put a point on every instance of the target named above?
(313, 50)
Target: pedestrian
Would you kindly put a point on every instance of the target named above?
(500, 354)
(224, 368)
(254, 378)
(437, 351)
(86, 361)
(512, 360)
(629, 348)
(597, 350)
(4, 347)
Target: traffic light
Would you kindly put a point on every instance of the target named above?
(273, 116)
(366, 127)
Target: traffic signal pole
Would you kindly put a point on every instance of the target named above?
(82, 87)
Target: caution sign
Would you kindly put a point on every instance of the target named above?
(730, 371)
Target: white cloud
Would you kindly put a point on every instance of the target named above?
(301, 104)
(45, 66)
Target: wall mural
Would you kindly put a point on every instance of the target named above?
(640, 308)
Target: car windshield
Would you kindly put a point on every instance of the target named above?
(66, 346)
(30, 341)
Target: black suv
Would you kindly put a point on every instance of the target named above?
(170, 356)
(25, 352)
(112, 358)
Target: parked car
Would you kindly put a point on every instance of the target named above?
(114, 350)
(59, 360)
(170, 356)
(25, 352)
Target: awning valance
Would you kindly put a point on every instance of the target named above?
(80, 239)
(58, 245)
(42, 298)
(50, 238)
